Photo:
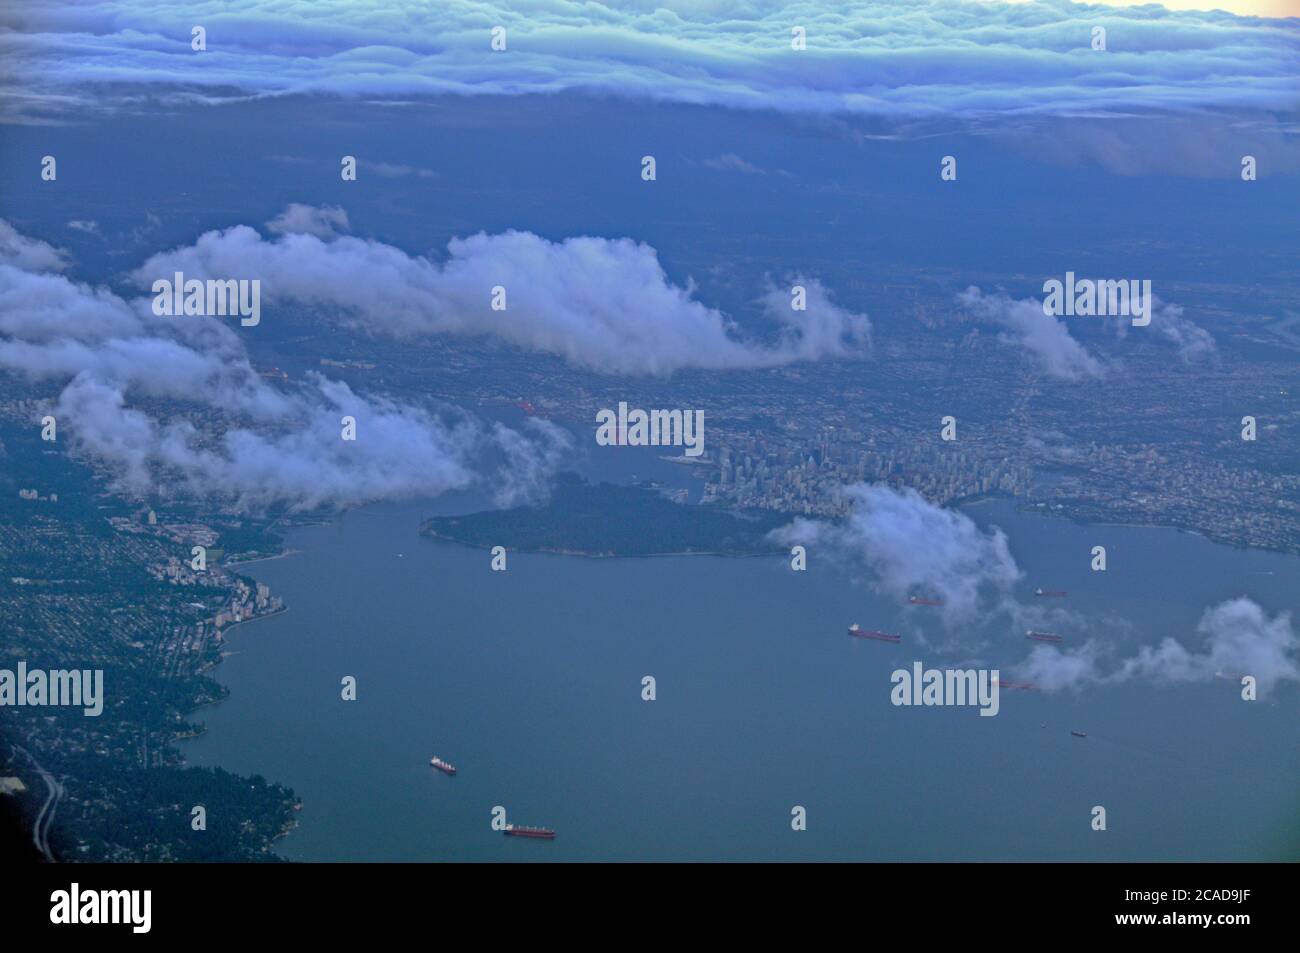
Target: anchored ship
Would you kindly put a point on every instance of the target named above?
(1049, 592)
(442, 766)
(860, 633)
(919, 601)
(1043, 636)
(517, 830)
(1079, 734)
(1023, 686)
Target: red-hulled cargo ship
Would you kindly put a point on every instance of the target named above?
(1049, 592)
(1023, 686)
(517, 830)
(860, 633)
(919, 601)
(443, 766)
(1043, 636)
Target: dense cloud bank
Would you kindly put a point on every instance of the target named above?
(889, 58)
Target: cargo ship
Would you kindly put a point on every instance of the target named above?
(1043, 636)
(1049, 592)
(1023, 686)
(443, 766)
(517, 830)
(1079, 734)
(860, 633)
(919, 601)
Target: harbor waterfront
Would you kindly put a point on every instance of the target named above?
(529, 681)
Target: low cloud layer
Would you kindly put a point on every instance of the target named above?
(324, 222)
(228, 434)
(894, 58)
(1048, 340)
(1234, 638)
(911, 546)
(1193, 343)
(599, 303)
(28, 254)
(1043, 336)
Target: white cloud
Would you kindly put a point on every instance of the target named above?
(1194, 343)
(899, 58)
(228, 434)
(28, 254)
(822, 329)
(599, 303)
(1237, 636)
(1053, 670)
(397, 170)
(730, 162)
(324, 222)
(912, 546)
(1045, 337)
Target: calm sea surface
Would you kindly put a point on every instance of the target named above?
(529, 681)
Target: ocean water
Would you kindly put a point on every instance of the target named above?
(529, 681)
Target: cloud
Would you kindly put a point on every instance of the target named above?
(730, 162)
(1061, 355)
(1045, 337)
(1237, 636)
(229, 435)
(393, 170)
(1053, 446)
(41, 307)
(401, 451)
(895, 58)
(90, 227)
(822, 329)
(602, 304)
(911, 546)
(1194, 343)
(1053, 670)
(141, 233)
(28, 254)
(324, 222)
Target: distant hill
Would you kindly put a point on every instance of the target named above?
(604, 519)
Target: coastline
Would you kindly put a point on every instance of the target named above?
(592, 555)
(261, 559)
(264, 615)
